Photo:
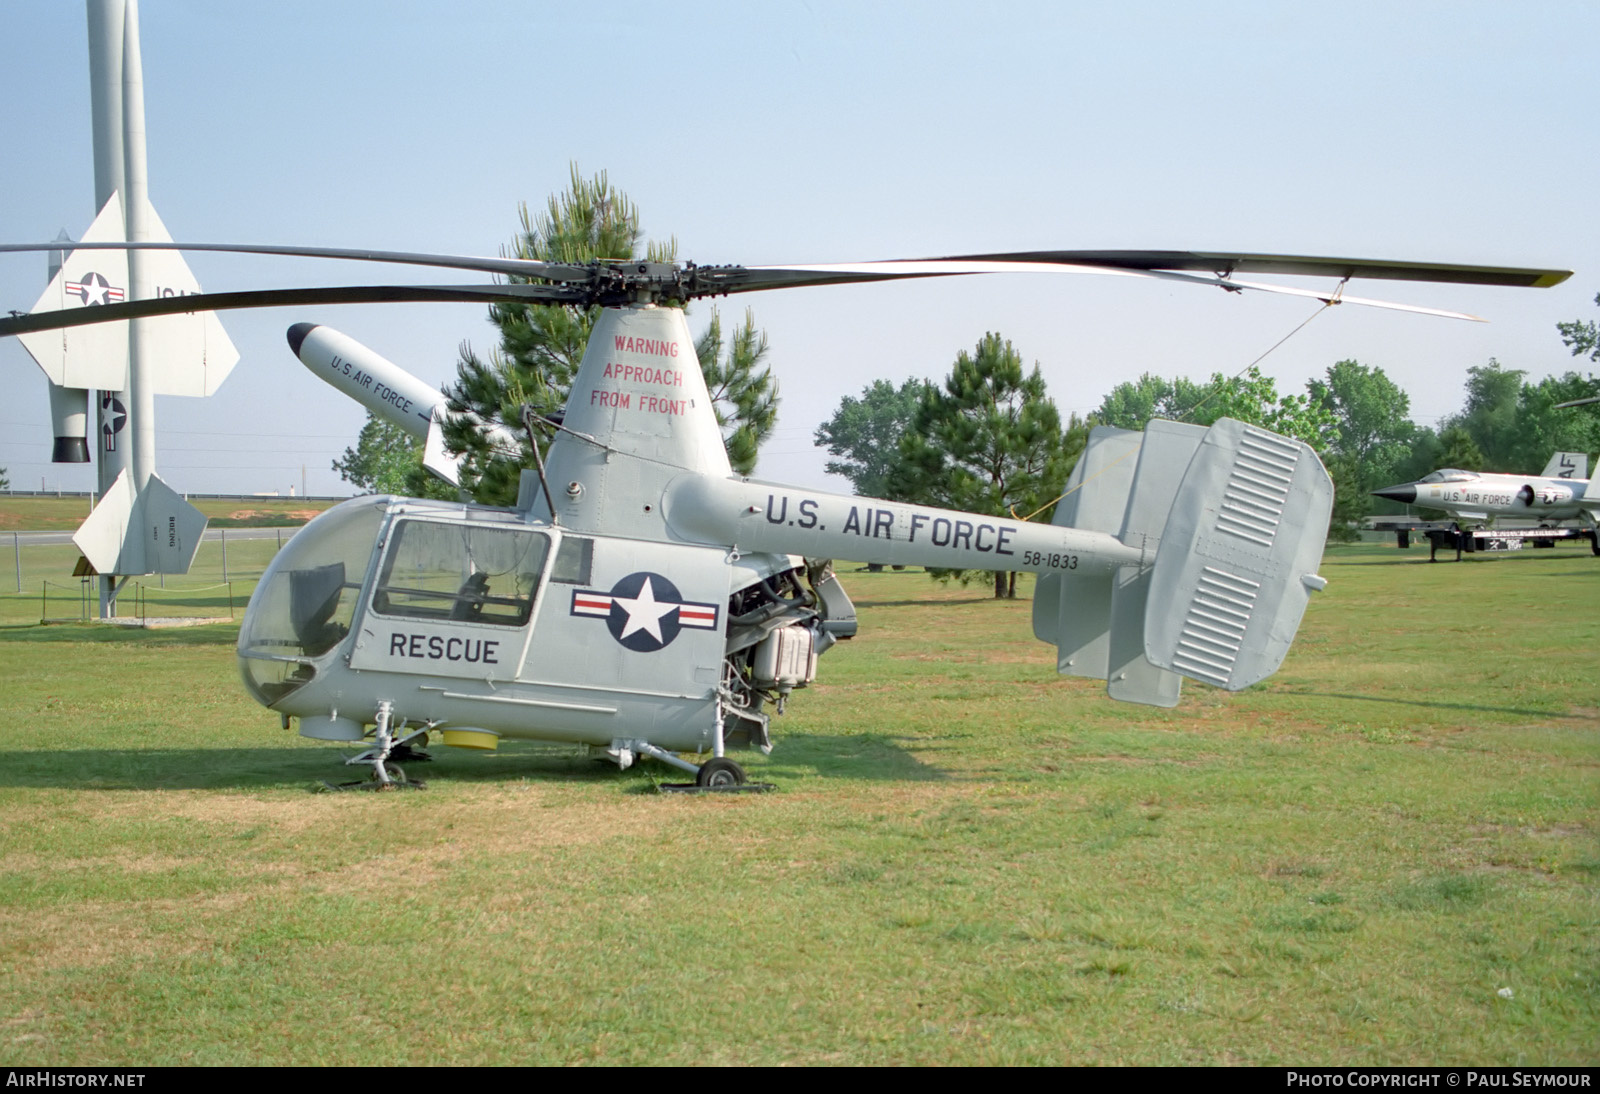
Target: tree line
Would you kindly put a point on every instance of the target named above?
(990, 439)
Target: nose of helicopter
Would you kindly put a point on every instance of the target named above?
(1405, 492)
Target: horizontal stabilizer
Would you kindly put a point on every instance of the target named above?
(157, 533)
(1230, 521)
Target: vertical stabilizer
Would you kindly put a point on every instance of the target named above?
(1073, 611)
(1230, 522)
(1164, 456)
(1239, 556)
(1567, 465)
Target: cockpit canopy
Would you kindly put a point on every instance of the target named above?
(307, 597)
(1450, 474)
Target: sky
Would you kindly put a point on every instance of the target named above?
(816, 131)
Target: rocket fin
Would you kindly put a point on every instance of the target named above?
(434, 456)
(95, 356)
(157, 533)
(191, 354)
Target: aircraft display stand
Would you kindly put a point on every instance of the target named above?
(1475, 540)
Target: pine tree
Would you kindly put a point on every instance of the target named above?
(988, 441)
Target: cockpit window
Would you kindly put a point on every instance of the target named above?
(1450, 474)
(574, 558)
(461, 572)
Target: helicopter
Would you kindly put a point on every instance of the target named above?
(644, 601)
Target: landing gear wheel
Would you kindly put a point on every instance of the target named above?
(719, 772)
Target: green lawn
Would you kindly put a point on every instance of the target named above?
(1386, 854)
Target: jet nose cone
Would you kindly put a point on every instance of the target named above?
(1405, 493)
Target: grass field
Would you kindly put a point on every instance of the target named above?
(44, 514)
(1386, 854)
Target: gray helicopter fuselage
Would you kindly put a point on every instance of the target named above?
(483, 619)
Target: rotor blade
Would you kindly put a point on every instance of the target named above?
(517, 266)
(770, 277)
(277, 298)
(1224, 263)
(1221, 263)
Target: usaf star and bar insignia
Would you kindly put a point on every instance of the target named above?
(644, 611)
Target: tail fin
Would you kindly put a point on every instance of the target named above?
(157, 532)
(1234, 519)
(435, 457)
(190, 354)
(1567, 465)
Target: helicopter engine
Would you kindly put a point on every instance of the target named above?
(777, 627)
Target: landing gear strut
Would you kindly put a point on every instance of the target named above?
(718, 774)
(387, 747)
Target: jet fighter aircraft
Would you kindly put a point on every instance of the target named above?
(1561, 492)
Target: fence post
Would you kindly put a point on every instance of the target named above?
(224, 534)
(16, 546)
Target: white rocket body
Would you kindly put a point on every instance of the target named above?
(388, 391)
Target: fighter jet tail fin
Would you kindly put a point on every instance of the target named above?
(1233, 519)
(1567, 465)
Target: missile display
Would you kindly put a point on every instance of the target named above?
(388, 391)
(380, 385)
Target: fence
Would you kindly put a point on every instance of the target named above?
(138, 600)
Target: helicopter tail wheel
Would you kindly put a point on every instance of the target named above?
(719, 773)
